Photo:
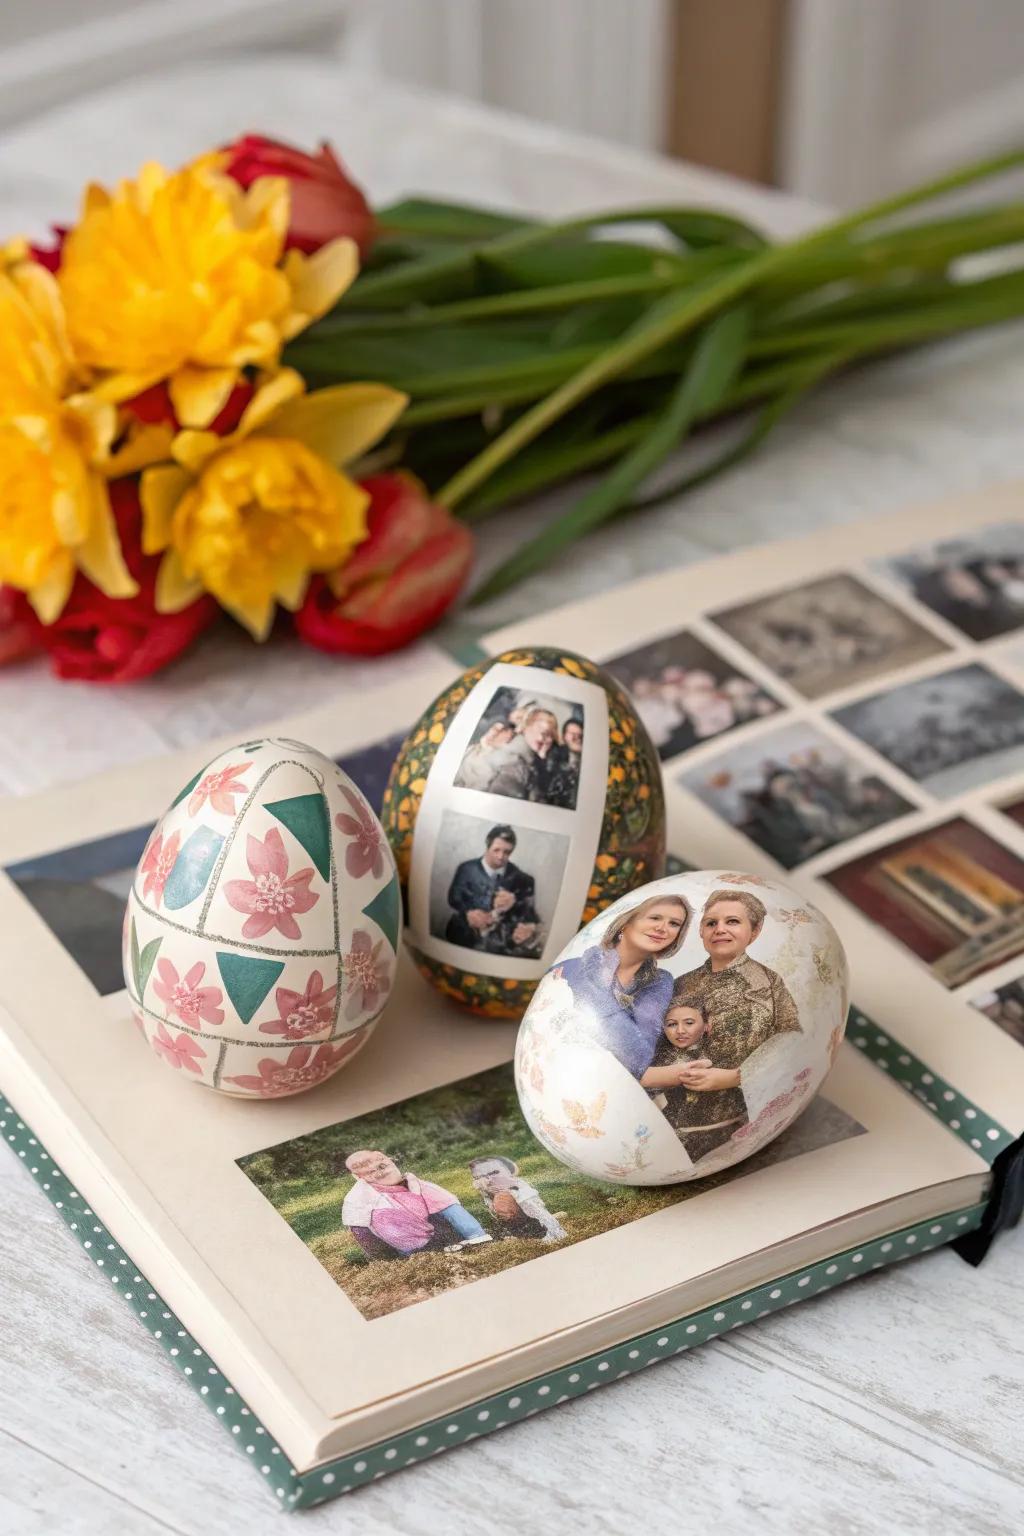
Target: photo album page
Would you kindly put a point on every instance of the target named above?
(842, 712)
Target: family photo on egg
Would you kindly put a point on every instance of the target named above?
(528, 746)
(685, 1037)
(718, 1001)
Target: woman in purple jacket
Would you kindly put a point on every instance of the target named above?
(619, 983)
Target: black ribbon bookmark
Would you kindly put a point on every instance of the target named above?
(1005, 1204)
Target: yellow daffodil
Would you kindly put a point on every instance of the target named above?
(179, 276)
(55, 452)
(249, 517)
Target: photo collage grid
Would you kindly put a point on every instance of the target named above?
(862, 703)
(503, 805)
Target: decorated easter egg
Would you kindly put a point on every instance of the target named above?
(683, 1029)
(524, 801)
(261, 933)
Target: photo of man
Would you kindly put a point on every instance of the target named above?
(492, 901)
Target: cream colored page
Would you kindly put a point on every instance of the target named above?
(889, 983)
(168, 1151)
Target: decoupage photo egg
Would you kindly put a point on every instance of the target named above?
(683, 1029)
(261, 934)
(525, 800)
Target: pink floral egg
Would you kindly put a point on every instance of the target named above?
(261, 933)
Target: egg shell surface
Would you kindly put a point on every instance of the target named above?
(708, 971)
(585, 833)
(261, 932)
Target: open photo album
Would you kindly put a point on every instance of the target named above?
(841, 712)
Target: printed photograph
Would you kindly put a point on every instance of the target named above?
(794, 793)
(494, 887)
(1015, 810)
(975, 582)
(719, 1003)
(686, 693)
(1004, 1006)
(528, 746)
(80, 892)
(828, 634)
(449, 1187)
(951, 732)
(951, 895)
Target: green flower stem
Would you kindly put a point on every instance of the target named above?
(527, 475)
(970, 304)
(676, 315)
(526, 301)
(400, 285)
(715, 362)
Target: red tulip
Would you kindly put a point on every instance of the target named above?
(48, 256)
(326, 202)
(17, 630)
(153, 408)
(401, 579)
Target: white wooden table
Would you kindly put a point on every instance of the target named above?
(894, 1404)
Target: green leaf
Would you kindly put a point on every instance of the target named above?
(699, 227)
(417, 360)
(581, 260)
(764, 423)
(717, 359)
(134, 946)
(146, 960)
(447, 221)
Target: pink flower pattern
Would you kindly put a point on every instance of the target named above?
(304, 1067)
(366, 978)
(272, 898)
(185, 997)
(181, 1052)
(301, 1014)
(157, 863)
(775, 1107)
(364, 853)
(220, 788)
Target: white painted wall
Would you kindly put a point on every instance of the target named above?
(882, 93)
(596, 66)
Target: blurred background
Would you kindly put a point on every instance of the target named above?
(836, 100)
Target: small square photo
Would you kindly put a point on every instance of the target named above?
(828, 634)
(975, 582)
(494, 886)
(686, 693)
(794, 793)
(952, 895)
(1004, 1006)
(950, 732)
(528, 746)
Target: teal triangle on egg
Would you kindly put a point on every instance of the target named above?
(305, 816)
(192, 868)
(386, 911)
(189, 787)
(247, 980)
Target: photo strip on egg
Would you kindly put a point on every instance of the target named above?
(526, 799)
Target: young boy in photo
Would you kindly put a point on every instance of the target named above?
(685, 1043)
(517, 1207)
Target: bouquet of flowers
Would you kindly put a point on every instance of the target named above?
(229, 387)
(159, 461)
